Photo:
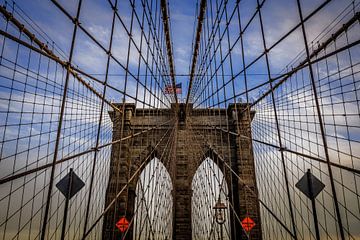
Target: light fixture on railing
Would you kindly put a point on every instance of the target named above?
(220, 209)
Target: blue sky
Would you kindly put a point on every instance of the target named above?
(278, 16)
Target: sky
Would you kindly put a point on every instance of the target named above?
(278, 18)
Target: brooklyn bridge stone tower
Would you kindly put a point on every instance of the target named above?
(184, 161)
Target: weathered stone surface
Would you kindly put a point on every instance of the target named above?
(195, 139)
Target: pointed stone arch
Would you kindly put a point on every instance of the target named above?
(209, 185)
(151, 218)
(128, 161)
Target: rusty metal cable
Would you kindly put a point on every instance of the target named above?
(196, 47)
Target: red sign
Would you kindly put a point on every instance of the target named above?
(122, 224)
(247, 224)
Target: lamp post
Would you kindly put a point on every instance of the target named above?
(220, 208)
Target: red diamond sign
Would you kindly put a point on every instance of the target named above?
(122, 224)
(248, 224)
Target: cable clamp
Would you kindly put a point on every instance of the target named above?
(96, 149)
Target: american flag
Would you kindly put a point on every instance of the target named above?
(169, 89)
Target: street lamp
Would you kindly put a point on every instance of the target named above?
(220, 209)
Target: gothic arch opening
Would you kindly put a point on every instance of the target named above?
(153, 215)
(208, 188)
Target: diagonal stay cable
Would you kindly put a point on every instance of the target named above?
(166, 161)
(246, 186)
(132, 177)
(43, 167)
(44, 50)
(165, 17)
(353, 170)
(196, 47)
(222, 160)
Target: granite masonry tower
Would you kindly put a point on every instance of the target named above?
(190, 149)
